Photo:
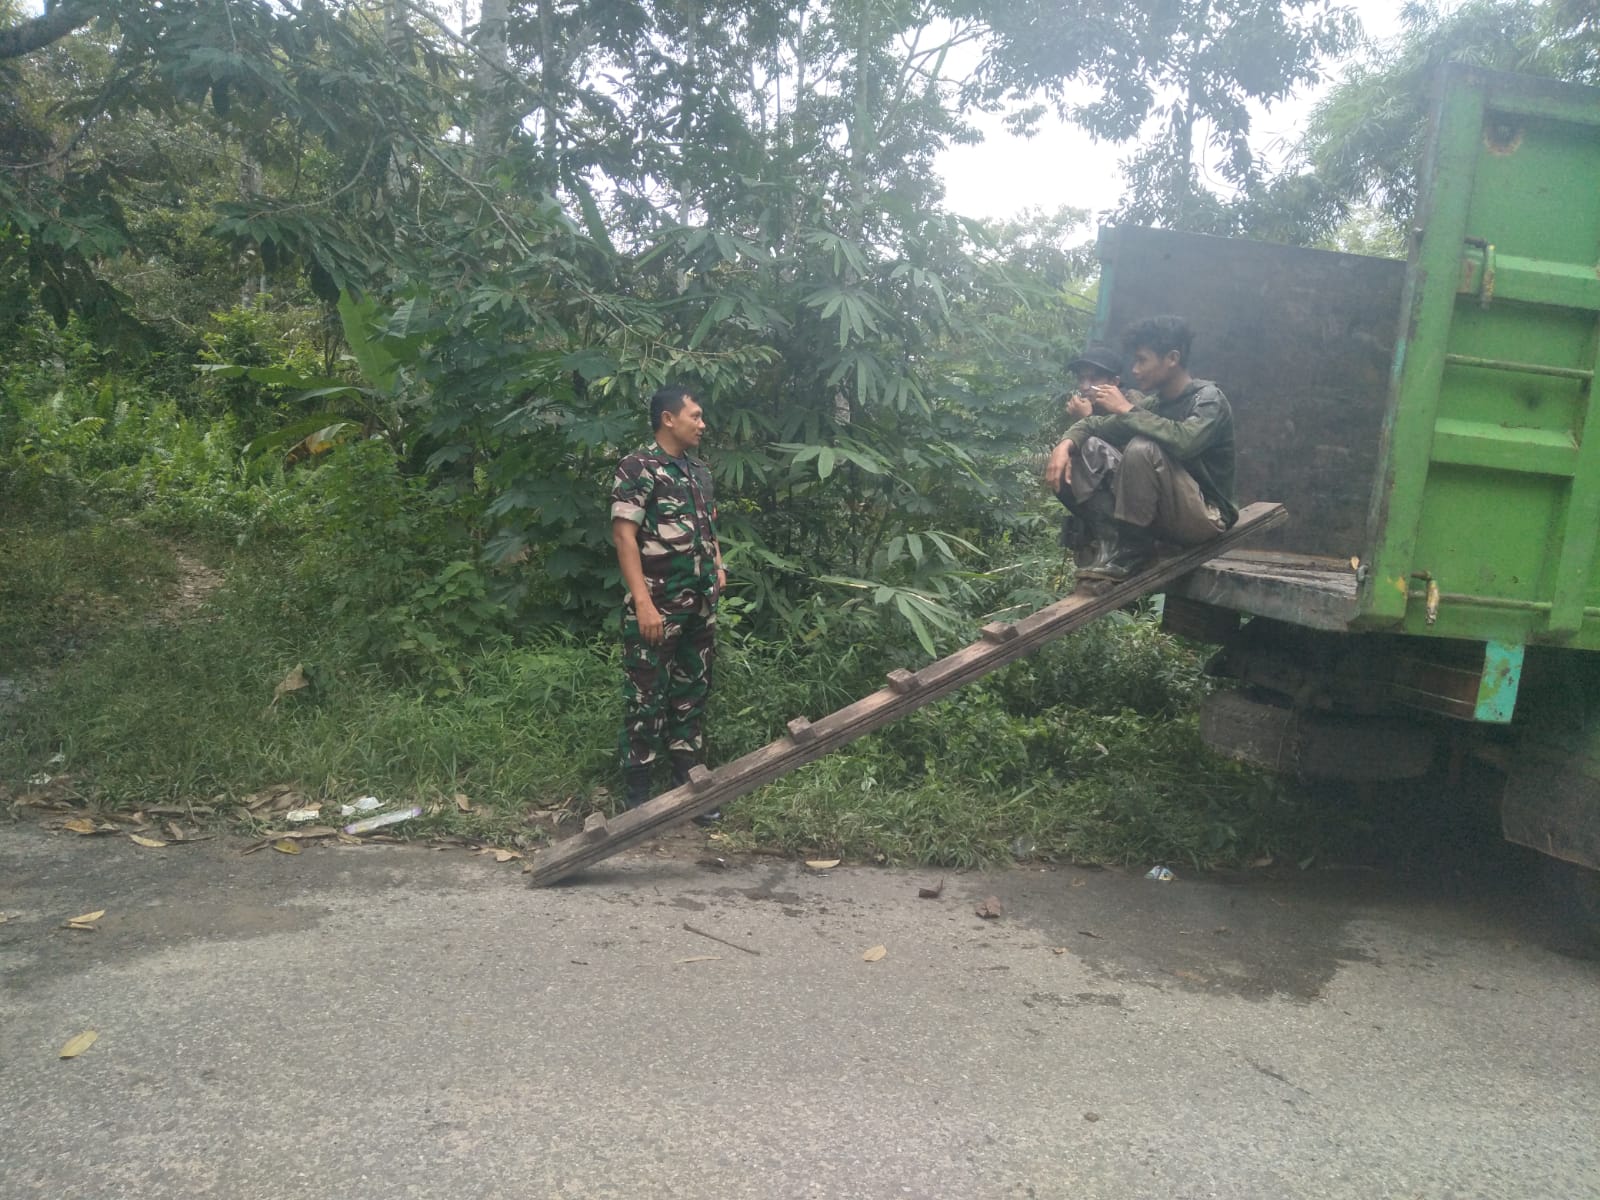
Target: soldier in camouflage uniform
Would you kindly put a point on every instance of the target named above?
(663, 524)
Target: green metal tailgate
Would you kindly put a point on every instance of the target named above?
(1486, 512)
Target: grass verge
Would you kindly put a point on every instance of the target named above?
(1087, 750)
(65, 579)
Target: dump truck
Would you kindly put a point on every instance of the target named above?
(1434, 596)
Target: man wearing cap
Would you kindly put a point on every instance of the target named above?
(1143, 467)
(1098, 366)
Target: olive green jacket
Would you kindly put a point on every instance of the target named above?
(1195, 427)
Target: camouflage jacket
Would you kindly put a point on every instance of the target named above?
(672, 503)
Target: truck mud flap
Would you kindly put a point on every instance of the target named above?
(1314, 745)
(1552, 804)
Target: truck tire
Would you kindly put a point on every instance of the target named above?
(1276, 738)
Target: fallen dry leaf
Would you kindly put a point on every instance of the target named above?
(505, 856)
(876, 953)
(702, 958)
(285, 846)
(931, 893)
(88, 918)
(175, 832)
(40, 800)
(989, 909)
(1080, 883)
(141, 840)
(462, 802)
(280, 796)
(822, 864)
(79, 1044)
(1058, 950)
(79, 825)
(292, 682)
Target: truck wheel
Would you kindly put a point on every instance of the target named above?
(1314, 745)
(1575, 893)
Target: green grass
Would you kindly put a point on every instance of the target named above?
(1087, 750)
(66, 578)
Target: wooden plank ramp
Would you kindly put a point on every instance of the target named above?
(906, 692)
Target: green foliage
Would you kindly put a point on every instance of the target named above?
(400, 296)
(379, 561)
(259, 335)
(1366, 139)
(1187, 72)
(74, 432)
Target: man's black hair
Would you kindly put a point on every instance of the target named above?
(1162, 335)
(668, 399)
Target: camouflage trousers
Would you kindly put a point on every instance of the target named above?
(665, 686)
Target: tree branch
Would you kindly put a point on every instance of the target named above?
(38, 32)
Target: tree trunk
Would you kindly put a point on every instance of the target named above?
(862, 135)
(550, 68)
(687, 88)
(489, 81)
(250, 181)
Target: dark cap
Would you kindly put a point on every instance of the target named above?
(1099, 356)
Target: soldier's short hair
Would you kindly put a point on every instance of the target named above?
(667, 399)
(1162, 335)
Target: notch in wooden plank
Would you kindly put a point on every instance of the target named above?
(594, 828)
(902, 681)
(800, 730)
(999, 632)
(699, 776)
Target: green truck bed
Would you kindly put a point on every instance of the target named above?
(1425, 422)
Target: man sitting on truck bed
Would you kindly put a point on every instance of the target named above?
(1161, 468)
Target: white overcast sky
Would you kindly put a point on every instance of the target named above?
(1062, 166)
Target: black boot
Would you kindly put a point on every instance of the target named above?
(1128, 550)
(682, 763)
(1077, 538)
(1099, 530)
(638, 786)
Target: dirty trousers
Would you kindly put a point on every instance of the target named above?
(665, 686)
(1151, 488)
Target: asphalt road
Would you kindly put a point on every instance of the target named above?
(393, 1022)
